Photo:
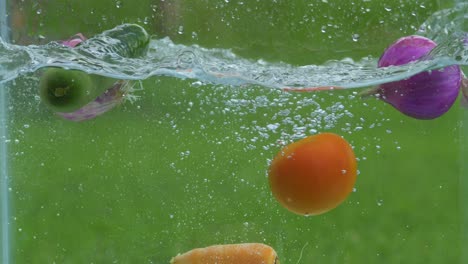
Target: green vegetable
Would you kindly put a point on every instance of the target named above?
(69, 90)
(132, 41)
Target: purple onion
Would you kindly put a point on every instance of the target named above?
(111, 98)
(426, 95)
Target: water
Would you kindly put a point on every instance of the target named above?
(185, 164)
(221, 66)
(4, 179)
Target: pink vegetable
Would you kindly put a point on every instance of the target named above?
(111, 98)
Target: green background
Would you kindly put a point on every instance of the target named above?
(186, 167)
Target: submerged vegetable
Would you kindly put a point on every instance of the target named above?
(69, 90)
(247, 253)
(465, 92)
(76, 95)
(313, 175)
(426, 95)
(111, 98)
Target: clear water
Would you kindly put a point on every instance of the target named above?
(185, 165)
(222, 66)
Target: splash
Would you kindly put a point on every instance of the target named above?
(223, 67)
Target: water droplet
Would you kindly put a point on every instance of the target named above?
(355, 37)
(323, 29)
(180, 31)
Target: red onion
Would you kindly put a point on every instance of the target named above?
(426, 95)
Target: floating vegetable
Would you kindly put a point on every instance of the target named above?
(313, 175)
(247, 253)
(426, 95)
(76, 95)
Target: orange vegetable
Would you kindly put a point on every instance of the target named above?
(313, 175)
(248, 253)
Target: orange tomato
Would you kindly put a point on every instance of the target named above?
(313, 175)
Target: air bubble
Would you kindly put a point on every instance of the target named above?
(273, 127)
(355, 37)
(180, 31)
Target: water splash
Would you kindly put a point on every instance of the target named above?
(221, 66)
